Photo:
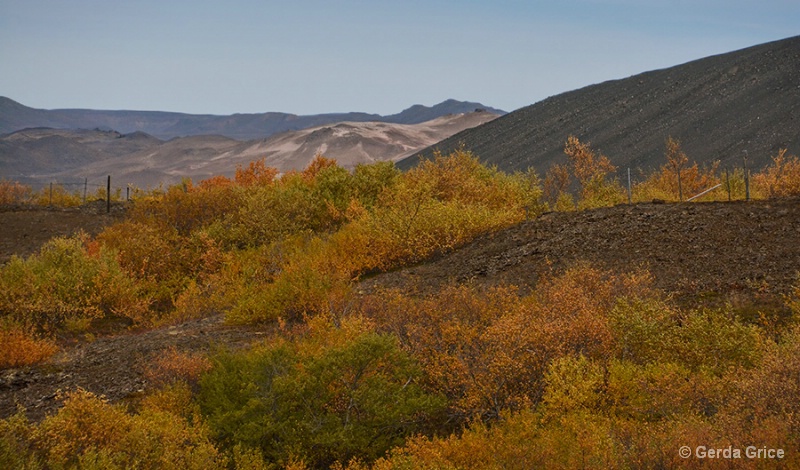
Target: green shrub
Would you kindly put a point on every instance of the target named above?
(336, 394)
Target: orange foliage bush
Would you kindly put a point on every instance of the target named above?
(257, 173)
(591, 171)
(694, 180)
(781, 178)
(488, 351)
(20, 348)
(186, 207)
(173, 365)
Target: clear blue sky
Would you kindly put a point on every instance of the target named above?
(376, 56)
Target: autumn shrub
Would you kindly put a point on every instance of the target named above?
(779, 179)
(333, 394)
(369, 181)
(57, 195)
(663, 184)
(592, 173)
(706, 339)
(88, 432)
(12, 192)
(488, 351)
(257, 173)
(441, 204)
(66, 282)
(319, 199)
(429, 210)
(769, 392)
(17, 447)
(172, 366)
(185, 207)
(477, 349)
(522, 440)
(270, 213)
(22, 347)
(165, 264)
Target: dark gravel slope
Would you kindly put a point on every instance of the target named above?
(742, 251)
(718, 107)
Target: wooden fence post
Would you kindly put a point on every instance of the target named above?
(728, 183)
(630, 194)
(108, 195)
(746, 179)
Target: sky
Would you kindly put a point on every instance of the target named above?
(376, 56)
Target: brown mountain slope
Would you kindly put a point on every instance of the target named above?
(200, 157)
(718, 107)
(351, 143)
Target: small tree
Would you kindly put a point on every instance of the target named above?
(676, 159)
(591, 171)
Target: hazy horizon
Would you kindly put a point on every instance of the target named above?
(315, 57)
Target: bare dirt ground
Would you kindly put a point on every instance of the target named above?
(24, 229)
(113, 367)
(742, 252)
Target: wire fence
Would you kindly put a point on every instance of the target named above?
(64, 192)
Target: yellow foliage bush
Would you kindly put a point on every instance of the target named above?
(432, 209)
(12, 192)
(88, 431)
(57, 195)
(65, 282)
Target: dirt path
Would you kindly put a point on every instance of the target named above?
(24, 229)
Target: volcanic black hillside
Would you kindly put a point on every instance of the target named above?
(718, 107)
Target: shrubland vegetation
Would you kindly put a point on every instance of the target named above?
(589, 369)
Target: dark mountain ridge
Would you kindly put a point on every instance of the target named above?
(167, 125)
(718, 107)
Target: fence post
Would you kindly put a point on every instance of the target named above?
(108, 195)
(728, 183)
(630, 194)
(746, 179)
(85, 183)
(51, 193)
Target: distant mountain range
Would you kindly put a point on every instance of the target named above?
(165, 125)
(40, 155)
(718, 107)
